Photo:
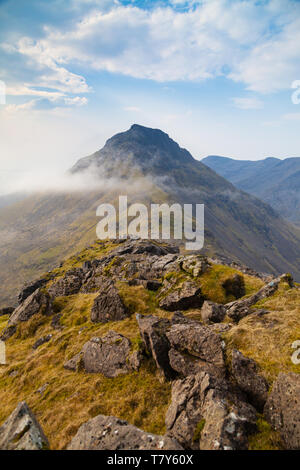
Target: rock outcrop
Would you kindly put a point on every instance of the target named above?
(108, 306)
(193, 348)
(212, 312)
(153, 333)
(70, 284)
(38, 302)
(241, 308)
(110, 433)
(204, 413)
(109, 355)
(182, 298)
(244, 370)
(21, 431)
(282, 409)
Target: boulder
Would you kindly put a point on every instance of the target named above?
(187, 296)
(21, 431)
(244, 371)
(193, 348)
(29, 289)
(108, 355)
(282, 409)
(108, 306)
(205, 413)
(212, 312)
(153, 333)
(235, 286)
(70, 284)
(110, 433)
(194, 265)
(38, 302)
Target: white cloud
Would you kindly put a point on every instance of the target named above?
(247, 103)
(254, 43)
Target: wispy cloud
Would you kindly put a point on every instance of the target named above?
(247, 103)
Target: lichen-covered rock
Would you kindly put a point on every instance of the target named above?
(282, 408)
(188, 295)
(212, 312)
(38, 302)
(194, 347)
(70, 284)
(153, 333)
(108, 355)
(110, 433)
(244, 370)
(194, 265)
(108, 306)
(205, 413)
(21, 431)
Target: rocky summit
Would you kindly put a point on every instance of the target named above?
(133, 344)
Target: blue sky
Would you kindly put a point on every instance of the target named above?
(215, 74)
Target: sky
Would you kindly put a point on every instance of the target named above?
(216, 75)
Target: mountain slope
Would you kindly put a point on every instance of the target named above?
(275, 181)
(149, 167)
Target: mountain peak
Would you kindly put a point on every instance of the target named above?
(147, 148)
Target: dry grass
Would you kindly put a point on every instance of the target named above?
(72, 398)
(211, 283)
(267, 339)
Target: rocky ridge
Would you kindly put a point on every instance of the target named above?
(216, 395)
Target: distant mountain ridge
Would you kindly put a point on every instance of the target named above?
(275, 181)
(149, 167)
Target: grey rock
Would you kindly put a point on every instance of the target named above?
(205, 413)
(187, 296)
(153, 333)
(245, 372)
(38, 302)
(282, 408)
(108, 355)
(240, 308)
(110, 433)
(21, 431)
(212, 312)
(70, 284)
(108, 306)
(195, 347)
(28, 289)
